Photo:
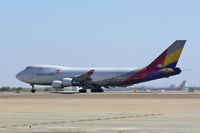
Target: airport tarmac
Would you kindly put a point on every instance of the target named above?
(109, 112)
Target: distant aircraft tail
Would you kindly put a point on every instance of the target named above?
(169, 58)
(182, 86)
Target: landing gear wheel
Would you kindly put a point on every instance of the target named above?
(82, 91)
(97, 90)
(33, 90)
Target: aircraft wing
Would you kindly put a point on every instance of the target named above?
(85, 79)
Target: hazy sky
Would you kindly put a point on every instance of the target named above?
(103, 33)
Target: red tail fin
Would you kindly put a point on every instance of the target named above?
(169, 57)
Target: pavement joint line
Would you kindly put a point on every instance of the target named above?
(82, 120)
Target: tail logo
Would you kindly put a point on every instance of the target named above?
(57, 71)
(159, 65)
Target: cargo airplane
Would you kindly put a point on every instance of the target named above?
(163, 66)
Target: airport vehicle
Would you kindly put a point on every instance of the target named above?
(163, 66)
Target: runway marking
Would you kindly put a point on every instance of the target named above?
(81, 120)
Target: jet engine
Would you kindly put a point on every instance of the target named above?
(57, 84)
(65, 83)
(70, 82)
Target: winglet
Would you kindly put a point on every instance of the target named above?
(85, 76)
(169, 57)
(90, 72)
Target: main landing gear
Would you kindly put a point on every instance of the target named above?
(82, 91)
(95, 90)
(33, 90)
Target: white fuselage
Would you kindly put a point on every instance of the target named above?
(45, 74)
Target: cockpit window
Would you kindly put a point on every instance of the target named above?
(27, 67)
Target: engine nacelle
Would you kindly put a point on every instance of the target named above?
(57, 84)
(67, 82)
(70, 82)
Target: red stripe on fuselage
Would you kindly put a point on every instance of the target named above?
(139, 76)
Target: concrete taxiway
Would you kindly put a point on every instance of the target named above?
(109, 112)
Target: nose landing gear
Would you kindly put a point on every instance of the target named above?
(33, 90)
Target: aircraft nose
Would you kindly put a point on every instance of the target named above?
(19, 76)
